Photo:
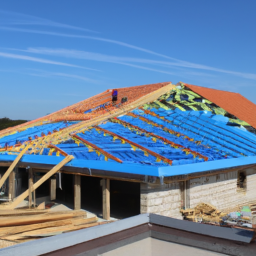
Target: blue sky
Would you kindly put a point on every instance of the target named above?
(56, 53)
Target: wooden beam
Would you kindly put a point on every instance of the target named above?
(30, 186)
(58, 149)
(144, 119)
(158, 156)
(41, 181)
(103, 152)
(53, 188)
(13, 165)
(175, 145)
(106, 199)
(77, 192)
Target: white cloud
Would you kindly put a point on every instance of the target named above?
(19, 19)
(128, 61)
(45, 61)
(64, 75)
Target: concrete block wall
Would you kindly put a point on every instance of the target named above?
(161, 199)
(221, 190)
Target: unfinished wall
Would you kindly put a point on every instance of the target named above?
(161, 199)
(222, 191)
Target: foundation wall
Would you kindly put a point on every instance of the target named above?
(161, 199)
(222, 191)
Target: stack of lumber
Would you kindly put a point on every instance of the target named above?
(18, 226)
(203, 212)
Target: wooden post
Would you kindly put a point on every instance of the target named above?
(187, 194)
(30, 186)
(12, 185)
(106, 199)
(39, 182)
(53, 188)
(77, 192)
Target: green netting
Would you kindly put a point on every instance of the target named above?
(219, 111)
(161, 105)
(238, 121)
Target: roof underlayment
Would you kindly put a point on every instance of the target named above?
(162, 130)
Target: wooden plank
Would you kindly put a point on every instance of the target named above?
(18, 212)
(40, 218)
(20, 229)
(30, 187)
(13, 165)
(103, 152)
(41, 181)
(51, 231)
(77, 192)
(53, 189)
(106, 199)
(158, 156)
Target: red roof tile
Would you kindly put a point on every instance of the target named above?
(232, 102)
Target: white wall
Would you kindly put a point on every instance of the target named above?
(161, 199)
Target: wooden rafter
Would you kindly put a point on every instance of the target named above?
(96, 148)
(58, 149)
(158, 156)
(178, 134)
(175, 145)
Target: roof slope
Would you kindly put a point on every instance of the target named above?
(232, 102)
(152, 135)
(76, 111)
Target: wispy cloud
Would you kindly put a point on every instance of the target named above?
(130, 61)
(43, 73)
(45, 61)
(18, 19)
(90, 38)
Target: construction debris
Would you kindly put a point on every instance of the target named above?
(209, 214)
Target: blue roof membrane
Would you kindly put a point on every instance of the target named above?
(32, 132)
(137, 168)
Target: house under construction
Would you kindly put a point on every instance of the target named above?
(154, 148)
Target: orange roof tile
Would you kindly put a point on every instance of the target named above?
(232, 102)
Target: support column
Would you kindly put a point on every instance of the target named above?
(77, 192)
(12, 185)
(187, 194)
(53, 188)
(106, 199)
(30, 186)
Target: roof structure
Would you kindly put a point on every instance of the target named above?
(162, 130)
(232, 102)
